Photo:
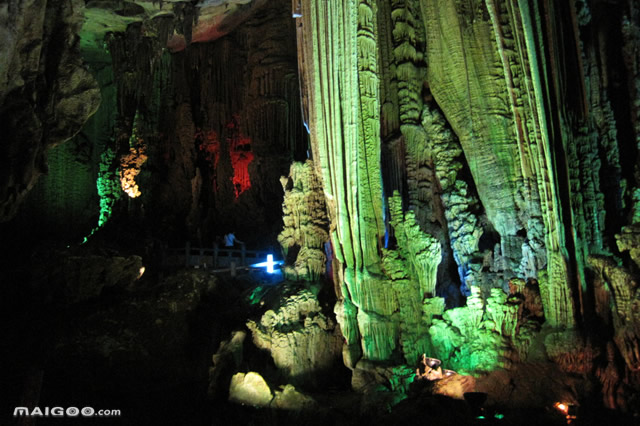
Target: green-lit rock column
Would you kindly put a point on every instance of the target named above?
(339, 50)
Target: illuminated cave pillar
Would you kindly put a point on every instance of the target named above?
(558, 300)
(499, 109)
(338, 50)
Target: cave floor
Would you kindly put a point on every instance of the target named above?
(147, 351)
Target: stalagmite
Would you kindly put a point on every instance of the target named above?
(305, 222)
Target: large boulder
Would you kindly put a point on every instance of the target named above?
(250, 389)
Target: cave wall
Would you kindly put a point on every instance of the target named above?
(237, 115)
(221, 124)
(46, 94)
(202, 131)
(506, 134)
(466, 149)
(66, 201)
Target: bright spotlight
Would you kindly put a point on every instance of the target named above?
(270, 263)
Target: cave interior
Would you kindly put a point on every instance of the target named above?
(450, 190)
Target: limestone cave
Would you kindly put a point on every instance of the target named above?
(344, 212)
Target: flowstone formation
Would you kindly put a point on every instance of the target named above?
(302, 341)
(458, 201)
(306, 225)
(618, 301)
(498, 152)
(412, 269)
(473, 163)
(130, 165)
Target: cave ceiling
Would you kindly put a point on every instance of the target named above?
(202, 21)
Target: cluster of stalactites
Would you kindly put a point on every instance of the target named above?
(131, 163)
(421, 250)
(457, 198)
(412, 269)
(108, 186)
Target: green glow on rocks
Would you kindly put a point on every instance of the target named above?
(339, 47)
(462, 341)
(108, 186)
(412, 269)
(422, 250)
(109, 190)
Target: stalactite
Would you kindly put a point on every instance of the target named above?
(510, 43)
(241, 155)
(369, 178)
(503, 315)
(535, 126)
(408, 59)
(108, 185)
(340, 55)
(407, 40)
(462, 342)
(422, 251)
(67, 192)
(412, 268)
(631, 56)
(624, 294)
(389, 110)
(465, 77)
(130, 165)
(457, 199)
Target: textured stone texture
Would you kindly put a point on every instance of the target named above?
(458, 202)
(486, 143)
(246, 102)
(460, 43)
(46, 94)
(306, 225)
(620, 288)
(482, 336)
(303, 343)
(250, 389)
(290, 399)
(337, 45)
(629, 240)
(189, 21)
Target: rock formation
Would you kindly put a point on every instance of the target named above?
(469, 168)
(493, 149)
(46, 94)
(303, 342)
(306, 223)
(250, 389)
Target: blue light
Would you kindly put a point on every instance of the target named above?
(270, 263)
